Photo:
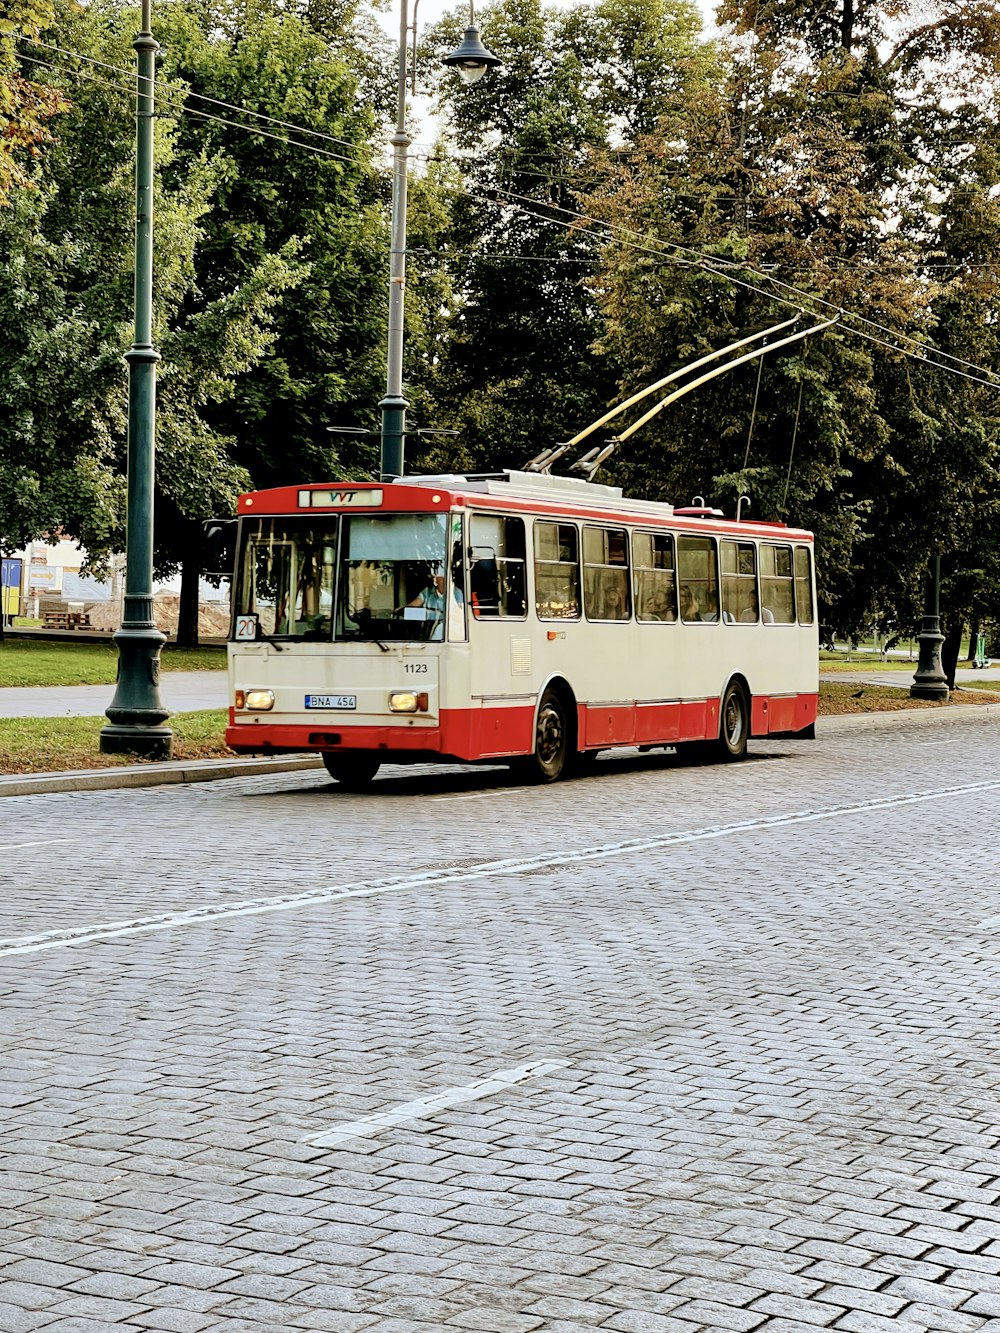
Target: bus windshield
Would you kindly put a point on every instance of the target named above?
(393, 577)
(387, 575)
(286, 577)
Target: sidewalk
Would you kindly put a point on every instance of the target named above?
(181, 692)
(904, 679)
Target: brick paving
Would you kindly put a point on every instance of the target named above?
(772, 1102)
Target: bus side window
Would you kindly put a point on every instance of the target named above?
(777, 585)
(803, 586)
(557, 571)
(653, 574)
(484, 581)
(698, 577)
(739, 583)
(496, 574)
(605, 574)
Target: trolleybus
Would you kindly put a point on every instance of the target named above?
(513, 617)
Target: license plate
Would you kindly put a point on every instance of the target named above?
(333, 701)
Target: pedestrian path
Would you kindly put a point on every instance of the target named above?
(902, 679)
(181, 691)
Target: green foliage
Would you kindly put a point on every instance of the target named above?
(25, 106)
(822, 170)
(517, 370)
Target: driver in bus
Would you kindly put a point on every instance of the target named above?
(431, 597)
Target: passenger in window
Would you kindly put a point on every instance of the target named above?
(689, 604)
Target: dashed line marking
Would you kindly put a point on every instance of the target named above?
(39, 842)
(209, 913)
(422, 1108)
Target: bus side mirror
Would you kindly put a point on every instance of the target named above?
(220, 546)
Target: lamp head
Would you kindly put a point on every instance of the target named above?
(471, 59)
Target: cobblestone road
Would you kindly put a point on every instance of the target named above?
(737, 1027)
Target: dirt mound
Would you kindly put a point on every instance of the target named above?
(213, 617)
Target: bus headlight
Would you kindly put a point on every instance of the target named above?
(405, 701)
(260, 701)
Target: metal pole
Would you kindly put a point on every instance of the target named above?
(136, 714)
(929, 680)
(394, 405)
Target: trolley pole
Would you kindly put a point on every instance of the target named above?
(136, 714)
(929, 680)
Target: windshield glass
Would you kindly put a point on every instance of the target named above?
(286, 579)
(393, 577)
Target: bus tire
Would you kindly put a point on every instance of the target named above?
(734, 724)
(353, 772)
(550, 759)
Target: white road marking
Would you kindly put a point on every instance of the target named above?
(41, 842)
(480, 795)
(430, 879)
(424, 1107)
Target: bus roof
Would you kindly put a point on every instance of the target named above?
(528, 492)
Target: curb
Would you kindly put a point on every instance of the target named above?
(906, 717)
(152, 775)
(217, 770)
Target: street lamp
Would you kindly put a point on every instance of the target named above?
(136, 714)
(929, 679)
(472, 60)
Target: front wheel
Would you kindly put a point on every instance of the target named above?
(353, 772)
(734, 723)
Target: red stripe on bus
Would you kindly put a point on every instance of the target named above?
(488, 733)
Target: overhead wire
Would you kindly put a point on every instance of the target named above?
(179, 90)
(714, 264)
(719, 265)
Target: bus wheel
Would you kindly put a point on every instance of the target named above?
(734, 723)
(353, 772)
(548, 763)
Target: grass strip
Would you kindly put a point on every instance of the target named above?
(59, 744)
(41, 662)
(836, 699)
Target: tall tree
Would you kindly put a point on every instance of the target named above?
(519, 370)
(815, 177)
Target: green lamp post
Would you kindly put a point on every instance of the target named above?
(929, 680)
(472, 60)
(136, 714)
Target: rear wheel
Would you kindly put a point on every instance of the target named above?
(734, 723)
(353, 772)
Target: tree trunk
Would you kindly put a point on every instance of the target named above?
(974, 625)
(950, 648)
(187, 612)
(847, 25)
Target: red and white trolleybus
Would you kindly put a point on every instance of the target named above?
(517, 617)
